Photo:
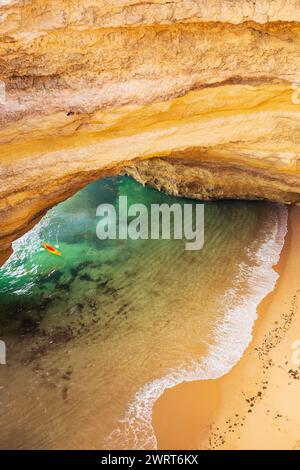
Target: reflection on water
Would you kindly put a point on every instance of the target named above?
(94, 336)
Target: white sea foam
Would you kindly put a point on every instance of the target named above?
(230, 339)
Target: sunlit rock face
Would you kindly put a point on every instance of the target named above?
(98, 87)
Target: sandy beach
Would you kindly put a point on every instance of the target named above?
(256, 405)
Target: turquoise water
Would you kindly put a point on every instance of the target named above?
(95, 336)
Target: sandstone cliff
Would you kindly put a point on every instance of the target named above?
(196, 97)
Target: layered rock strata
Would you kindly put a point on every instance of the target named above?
(198, 98)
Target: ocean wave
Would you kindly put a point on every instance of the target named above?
(229, 341)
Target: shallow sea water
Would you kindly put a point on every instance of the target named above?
(94, 337)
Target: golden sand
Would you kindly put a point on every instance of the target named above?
(256, 405)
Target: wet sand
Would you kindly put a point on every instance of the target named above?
(256, 405)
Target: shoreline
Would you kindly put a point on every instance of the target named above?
(246, 408)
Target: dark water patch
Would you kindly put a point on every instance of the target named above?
(29, 325)
(85, 277)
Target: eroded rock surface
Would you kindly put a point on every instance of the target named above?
(96, 87)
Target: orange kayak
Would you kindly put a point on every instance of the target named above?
(51, 249)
